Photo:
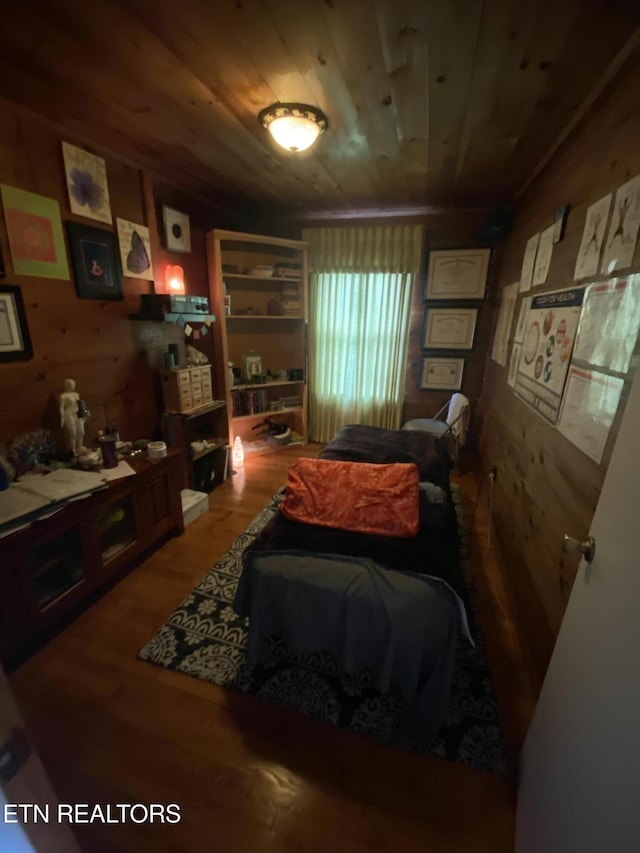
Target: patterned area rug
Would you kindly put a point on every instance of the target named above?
(204, 638)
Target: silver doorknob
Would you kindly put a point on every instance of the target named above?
(586, 548)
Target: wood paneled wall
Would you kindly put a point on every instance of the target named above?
(89, 340)
(545, 486)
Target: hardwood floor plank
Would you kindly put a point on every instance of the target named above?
(248, 775)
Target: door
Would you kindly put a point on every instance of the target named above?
(580, 766)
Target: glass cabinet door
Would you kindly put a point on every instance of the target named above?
(55, 567)
(116, 528)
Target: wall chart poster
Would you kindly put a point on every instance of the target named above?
(589, 406)
(503, 327)
(620, 244)
(550, 331)
(609, 324)
(592, 238)
(528, 263)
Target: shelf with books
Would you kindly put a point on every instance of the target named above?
(256, 415)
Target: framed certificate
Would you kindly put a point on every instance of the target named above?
(440, 373)
(457, 274)
(15, 343)
(449, 328)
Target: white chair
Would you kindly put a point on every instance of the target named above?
(454, 427)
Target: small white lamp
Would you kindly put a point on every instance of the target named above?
(237, 455)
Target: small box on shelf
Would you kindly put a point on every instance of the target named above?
(186, 389)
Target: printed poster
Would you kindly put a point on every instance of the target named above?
(543, 256)
(590, 404)
(87, 186)
(609, 324)
(503, 326)
(592, 238)
(516, 349)
(525, 305)
(528, 263)
(550, 331)
(34, 228)
(620, 244)
(135, 250)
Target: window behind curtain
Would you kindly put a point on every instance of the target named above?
(358, 341)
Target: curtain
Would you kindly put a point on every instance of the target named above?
(361, 281)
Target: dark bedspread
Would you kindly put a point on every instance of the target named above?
(430, 552)
(360, 443)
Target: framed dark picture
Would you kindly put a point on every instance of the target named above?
(15, 343)
(96, 262)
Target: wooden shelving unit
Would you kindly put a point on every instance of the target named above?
(207, 468)
(252, 322)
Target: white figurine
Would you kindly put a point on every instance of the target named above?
(72, 415)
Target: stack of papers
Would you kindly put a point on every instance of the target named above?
(38, 495)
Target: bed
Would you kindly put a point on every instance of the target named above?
(392, 604)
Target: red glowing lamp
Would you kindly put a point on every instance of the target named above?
(174, 279)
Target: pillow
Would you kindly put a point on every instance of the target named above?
(357, 496)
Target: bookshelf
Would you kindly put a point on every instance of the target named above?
(259, 284)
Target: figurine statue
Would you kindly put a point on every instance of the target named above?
(72, 417)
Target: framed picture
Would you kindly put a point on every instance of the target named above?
(36, 239)
(177, 234)
(135, 249)
(96, 264)
(457, 274)
(449, 328)
(440, 373)
(15, 343)
(87, 186)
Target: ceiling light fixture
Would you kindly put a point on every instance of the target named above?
(295, 127)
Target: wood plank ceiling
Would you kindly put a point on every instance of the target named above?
(441, 103)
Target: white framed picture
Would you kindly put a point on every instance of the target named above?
(177, 233)
(449, 328)
(457, 274)
(440, 373)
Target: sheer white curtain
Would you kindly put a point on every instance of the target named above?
(361, 281)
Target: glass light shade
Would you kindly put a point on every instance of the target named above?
(174, 279)
(295, 127)
(293, 133)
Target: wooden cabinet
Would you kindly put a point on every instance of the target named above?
(260, 287)
(203, 435)
(50, 567)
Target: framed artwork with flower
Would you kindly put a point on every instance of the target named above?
(96, 263)
(86, 177)
(36, 239)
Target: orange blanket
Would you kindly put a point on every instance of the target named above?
(357, 496)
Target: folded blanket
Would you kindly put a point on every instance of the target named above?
(357, 496)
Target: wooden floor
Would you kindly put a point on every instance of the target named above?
(248, 775)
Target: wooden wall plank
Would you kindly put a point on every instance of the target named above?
(90, 340)
(545, 486)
